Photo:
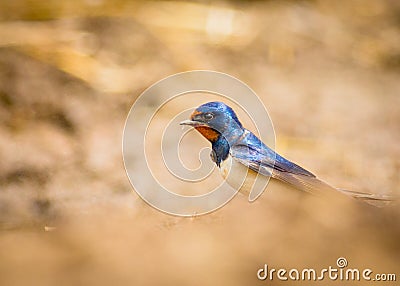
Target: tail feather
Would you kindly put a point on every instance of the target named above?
(316, 186)
(373, 199)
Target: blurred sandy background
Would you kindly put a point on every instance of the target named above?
(328, 72)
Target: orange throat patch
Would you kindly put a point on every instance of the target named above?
(209, 133)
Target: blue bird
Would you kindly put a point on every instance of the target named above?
(243, 158)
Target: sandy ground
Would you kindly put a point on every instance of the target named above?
(328, 74)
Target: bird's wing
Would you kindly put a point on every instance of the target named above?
(277, 167)
(252, 153)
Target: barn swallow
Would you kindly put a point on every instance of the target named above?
(242, 157)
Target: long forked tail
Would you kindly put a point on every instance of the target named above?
(378, 200)
(314, 185)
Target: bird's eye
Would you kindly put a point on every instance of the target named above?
(208, 116)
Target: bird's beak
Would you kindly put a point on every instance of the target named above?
(192, 123)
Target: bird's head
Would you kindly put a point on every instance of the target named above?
(214, 119)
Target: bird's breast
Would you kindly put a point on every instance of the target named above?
(240, 177)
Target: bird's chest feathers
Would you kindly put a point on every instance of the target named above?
(237, 175)
(209, 133)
